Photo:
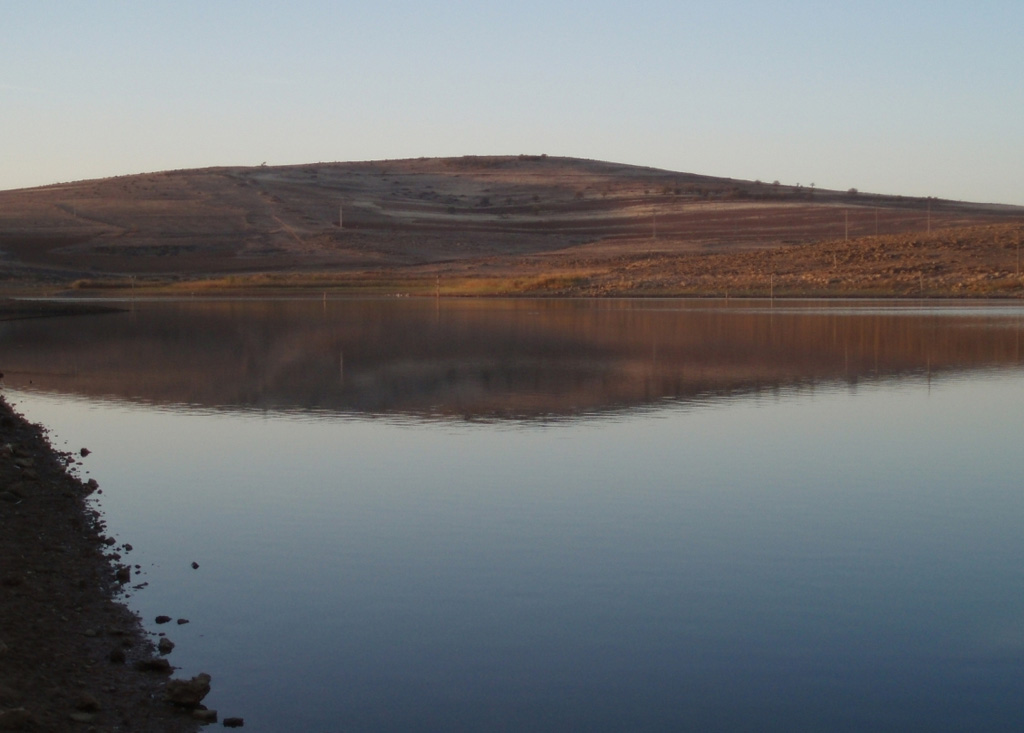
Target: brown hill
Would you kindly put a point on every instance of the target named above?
(565, 225)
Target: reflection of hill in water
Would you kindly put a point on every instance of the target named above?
(489, 358)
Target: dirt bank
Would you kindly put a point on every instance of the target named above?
(69, 652)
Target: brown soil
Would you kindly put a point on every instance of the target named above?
(68, 650)
(612, 229)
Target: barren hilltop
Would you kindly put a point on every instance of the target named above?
(514, 225)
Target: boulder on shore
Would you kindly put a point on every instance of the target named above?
(188, 693)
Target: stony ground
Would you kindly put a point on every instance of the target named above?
(70, 654)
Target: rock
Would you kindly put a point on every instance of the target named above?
(9, 697)
(163, 619)
(165, 646)
(233, 722)
(85, 452)
(161, 666)
(205, 716)
(16, 719)
(91, 485)
(182, 621)
(188, 693)
(109, 541)
(87, 704)
(83, 717)
(123, 574)
(195, 566)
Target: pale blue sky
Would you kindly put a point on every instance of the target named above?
(915, 98)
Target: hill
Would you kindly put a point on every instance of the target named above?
(481, 224)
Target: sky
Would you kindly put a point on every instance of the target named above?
(911, 98)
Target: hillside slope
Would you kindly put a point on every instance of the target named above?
(427, 215)
(413, 220)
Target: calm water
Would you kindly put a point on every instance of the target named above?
(562, 515)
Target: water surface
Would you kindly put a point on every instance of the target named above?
(551, 515)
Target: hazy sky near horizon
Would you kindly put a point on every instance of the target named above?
(915, 98)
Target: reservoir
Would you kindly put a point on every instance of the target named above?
(549, 515)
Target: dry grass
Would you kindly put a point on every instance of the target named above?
(497, 226)
(959, 262)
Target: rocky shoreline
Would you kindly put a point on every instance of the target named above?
(72, 658)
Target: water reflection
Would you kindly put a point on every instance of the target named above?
(493, 359)
(758, 566)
